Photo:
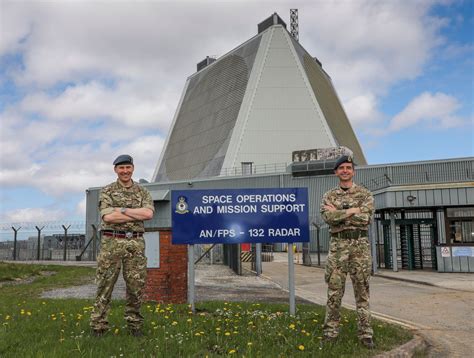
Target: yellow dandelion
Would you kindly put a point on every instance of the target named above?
(315, 320)
(235, 332)
(232, 351)
(202, 314)
(43, 303)
(218, 329)
(227, 333)
(197, 334)
(116, 331)
(307, 334)
(291, 326)
(250, 323)
(249, 343)
(189, 320)
(174, 323)
(28, 313)
(53, 318)
(301, 347)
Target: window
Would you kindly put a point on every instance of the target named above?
(247, 168)
(461, 231)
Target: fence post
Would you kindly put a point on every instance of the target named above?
(65, 241)
(94, 242)
(15, 241)
(39, 242)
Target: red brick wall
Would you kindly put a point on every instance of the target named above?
(169, 282)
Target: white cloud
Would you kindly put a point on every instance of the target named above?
(94, 100)
(81, 207)
(363, 109)
(33, 215)
(437, 109)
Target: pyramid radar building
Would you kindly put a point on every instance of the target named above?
(256, 104)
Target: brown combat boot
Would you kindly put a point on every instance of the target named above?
(368, 342)
(136, 332)
(98, 332)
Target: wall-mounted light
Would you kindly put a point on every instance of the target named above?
(411, 199)
(190, 183)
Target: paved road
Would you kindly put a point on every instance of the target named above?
(445, 317)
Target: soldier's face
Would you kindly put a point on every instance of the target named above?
(124, 172)
(345, 172)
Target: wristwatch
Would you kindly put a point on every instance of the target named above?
(123, 210)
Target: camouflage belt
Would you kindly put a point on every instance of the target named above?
(122, 234)
(350, 234)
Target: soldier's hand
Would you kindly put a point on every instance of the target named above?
(353, 211)
(330, 207)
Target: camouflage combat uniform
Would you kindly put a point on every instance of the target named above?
(121, 252)
(349, 252)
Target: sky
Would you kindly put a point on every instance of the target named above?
(84, 81)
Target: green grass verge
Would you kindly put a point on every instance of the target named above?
(36, 327)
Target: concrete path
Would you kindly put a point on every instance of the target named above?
(440, 307)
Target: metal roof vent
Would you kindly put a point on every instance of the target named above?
(206, 62)
(272, 20)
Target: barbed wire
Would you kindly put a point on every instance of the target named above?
(46, 225)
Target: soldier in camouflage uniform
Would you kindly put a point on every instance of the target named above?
(348, 210)
(123, 205)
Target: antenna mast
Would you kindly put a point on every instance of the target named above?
(294, 24)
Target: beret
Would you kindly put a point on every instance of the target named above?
(123, 159)
(344, 159)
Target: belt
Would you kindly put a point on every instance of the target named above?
(350, 234)
(122, 234)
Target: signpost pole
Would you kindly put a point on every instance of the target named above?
(191, 277)
(291, 279)
(258, 258)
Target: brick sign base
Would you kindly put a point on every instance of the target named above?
(169, 282)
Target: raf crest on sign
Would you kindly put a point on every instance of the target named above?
(182, 206)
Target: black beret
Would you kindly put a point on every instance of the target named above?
(344, 159)
(123, 159)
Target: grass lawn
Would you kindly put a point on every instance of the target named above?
(34, 327)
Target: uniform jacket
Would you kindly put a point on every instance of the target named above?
(115, 195)
(357, 196)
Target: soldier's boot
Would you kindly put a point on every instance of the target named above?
(136, 332)
(368, 342)
(98, 332)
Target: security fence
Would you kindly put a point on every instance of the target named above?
(48, 243)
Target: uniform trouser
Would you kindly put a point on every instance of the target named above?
(348, 256)
(114, 254)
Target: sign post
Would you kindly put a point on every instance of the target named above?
(191, 277)
(235, 216)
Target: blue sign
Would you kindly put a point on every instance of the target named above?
(240, 216)
(463, 251)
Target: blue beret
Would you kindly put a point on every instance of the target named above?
(344, 159)
(123, 159)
